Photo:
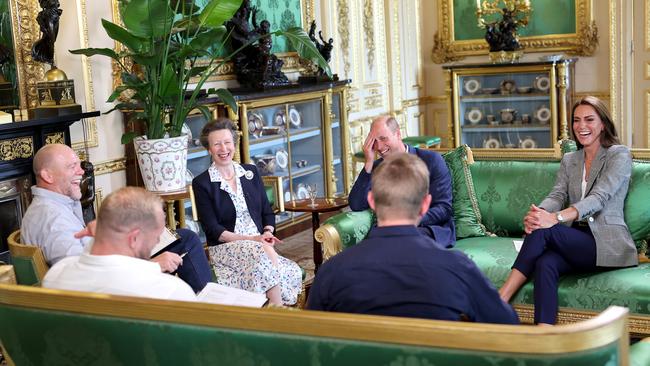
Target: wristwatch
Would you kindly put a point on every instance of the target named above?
(559, 217)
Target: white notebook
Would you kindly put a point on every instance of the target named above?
(166, 237)
(215, 293)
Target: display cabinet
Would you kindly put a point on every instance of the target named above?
(298, 134)
(510, 110)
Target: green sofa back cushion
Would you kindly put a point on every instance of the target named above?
(467, 216)
(506, 189)
(637, 202)
(39, 337)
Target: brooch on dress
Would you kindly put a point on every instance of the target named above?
(248, 175)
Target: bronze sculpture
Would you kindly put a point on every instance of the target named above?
(256, 66)
(323, 47)
(48, 21)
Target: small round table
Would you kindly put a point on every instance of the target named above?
(322, 205)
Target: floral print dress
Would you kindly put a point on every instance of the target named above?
(244, 264)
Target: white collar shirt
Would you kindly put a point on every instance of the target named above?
(116, 275)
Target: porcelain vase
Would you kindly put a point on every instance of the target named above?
(163, 162)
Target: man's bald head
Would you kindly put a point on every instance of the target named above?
(57, 168)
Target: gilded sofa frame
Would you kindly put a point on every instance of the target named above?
(607, 328)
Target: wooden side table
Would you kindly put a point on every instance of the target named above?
(177, 198)
(322, 205)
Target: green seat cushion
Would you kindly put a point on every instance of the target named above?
(467, 216)
(506, 189)
(588, 291)
(421, 140)
(352, 226)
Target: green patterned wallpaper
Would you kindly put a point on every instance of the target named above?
(282, 14)
(544, 20)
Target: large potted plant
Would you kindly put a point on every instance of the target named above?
(165, 39)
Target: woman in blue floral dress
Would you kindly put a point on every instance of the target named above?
(239, 223)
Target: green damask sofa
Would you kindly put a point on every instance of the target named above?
(491, 198)
(52, 327)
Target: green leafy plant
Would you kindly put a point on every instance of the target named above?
(166, 39)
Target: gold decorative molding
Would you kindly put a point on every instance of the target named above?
(581, 43)
(18, 148)
(25, 31)
(647, 116)
(110, 166)
(99, 198)
(344, 33)
(308, 13)
(430, 99)
(646, 26)
(89, 127)
(55, 138)
(369, 32)
(374, 99)
(614, 73)
(603, 95)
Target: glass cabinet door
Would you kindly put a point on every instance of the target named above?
(506, 110)
(306, 148)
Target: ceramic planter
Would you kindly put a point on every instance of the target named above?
(163, 162)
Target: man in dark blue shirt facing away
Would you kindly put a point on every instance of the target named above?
(398, 270)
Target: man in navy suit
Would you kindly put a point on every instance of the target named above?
(385, 139)
(400, 272)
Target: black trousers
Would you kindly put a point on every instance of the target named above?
(550, 253)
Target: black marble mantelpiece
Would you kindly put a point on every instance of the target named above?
(19, 141)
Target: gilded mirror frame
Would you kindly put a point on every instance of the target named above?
(24, 31)
(581, 43)
(227, 71)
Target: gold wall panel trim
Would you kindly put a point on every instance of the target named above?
(394, 52)
(344, 33)
(581, 43)
(647, 70)
(25, 32)
(89, 128)
(99, 198)
(646, 25)
(18, 148)
(369, 32)
(55, 138)
(110, 166)
(308, 13)
(613, 60)
(424, 100)
(598, 94)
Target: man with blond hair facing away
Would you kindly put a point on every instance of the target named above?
(129, 223)
(399, 271)
(385, 140)
(54, 220)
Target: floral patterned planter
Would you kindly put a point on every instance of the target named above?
(162, 162)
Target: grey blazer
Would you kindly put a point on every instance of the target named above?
(602, 207)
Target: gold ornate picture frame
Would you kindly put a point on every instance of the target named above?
(447, 47)
(25, 31)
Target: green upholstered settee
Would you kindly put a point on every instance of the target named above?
(503, 192)
(42, 326)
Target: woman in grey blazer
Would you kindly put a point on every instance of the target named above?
(587, 203)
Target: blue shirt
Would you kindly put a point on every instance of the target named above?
(398, 271)
(438, 221)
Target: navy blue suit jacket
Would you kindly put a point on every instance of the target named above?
(216, 210)
(400, 272)
(439, 219)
